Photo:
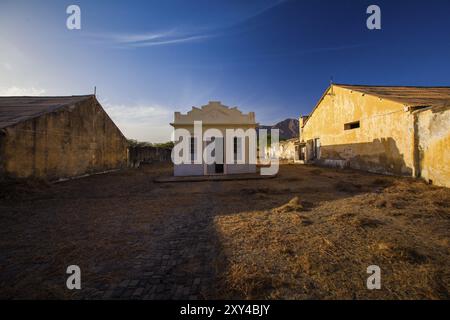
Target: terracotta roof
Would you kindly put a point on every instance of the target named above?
(14, 110)
(410, 96)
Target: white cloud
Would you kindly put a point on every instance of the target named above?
(142, 122)
(18, 91)
(7, 66)
(150, 39)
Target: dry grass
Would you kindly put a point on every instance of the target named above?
(323, 252)
(308, 234)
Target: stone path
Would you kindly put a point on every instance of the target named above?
(178, 264)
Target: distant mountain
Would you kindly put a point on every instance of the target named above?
(288, 128)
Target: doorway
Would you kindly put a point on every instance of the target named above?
(316, 149)
(217, 167)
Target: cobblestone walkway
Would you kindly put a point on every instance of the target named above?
(178, 264)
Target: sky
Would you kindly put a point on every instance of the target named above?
(149, 59)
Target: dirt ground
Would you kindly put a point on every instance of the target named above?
(309, 233)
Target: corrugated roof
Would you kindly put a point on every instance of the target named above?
(410, 96)
(14, 110)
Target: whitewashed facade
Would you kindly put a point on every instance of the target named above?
(216, 116)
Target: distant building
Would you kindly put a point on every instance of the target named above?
(216, 116)
(58, 137)
(287, 150)
(390, 130)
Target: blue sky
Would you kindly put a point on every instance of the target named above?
(151, 58)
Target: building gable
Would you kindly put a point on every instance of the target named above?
(214, 113)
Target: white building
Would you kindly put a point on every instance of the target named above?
(287, 150)
(219, 118)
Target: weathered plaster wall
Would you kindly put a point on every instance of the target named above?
(200, 169)
(433, 132)
(381, 144)
(69, 142)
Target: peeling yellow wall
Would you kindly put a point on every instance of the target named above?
(433, 131)
(383, 143)
(69, 142)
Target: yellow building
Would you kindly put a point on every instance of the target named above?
(389, 130)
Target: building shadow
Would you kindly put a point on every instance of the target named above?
(208, 261)
(379, 156)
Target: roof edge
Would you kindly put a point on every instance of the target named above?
(57, 108)
(387, 86)
(317, 105)
(50, 97)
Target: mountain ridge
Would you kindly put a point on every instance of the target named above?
(288, 128)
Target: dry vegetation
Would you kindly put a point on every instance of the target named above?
(319, 244)
(310, 233)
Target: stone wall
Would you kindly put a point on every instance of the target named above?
(139, 155)
(71, 141)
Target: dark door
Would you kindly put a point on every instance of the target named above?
(316, 148)
(219, 168)
(218, 154)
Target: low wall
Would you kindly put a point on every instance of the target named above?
(138, 155)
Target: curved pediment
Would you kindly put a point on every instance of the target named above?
(215, 113)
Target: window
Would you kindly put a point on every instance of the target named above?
(351, 125)
(237, 149)
(192, 149)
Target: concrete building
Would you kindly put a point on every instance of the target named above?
(389, 130)
(58, 137)
(220, 118)
(288, 150)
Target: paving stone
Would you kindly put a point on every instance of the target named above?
(138, 292)
(177, 263)
(134, 283)
(124, 283)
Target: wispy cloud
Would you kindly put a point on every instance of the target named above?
(136, 38)
(149, 39)
(173, 36)
(172, 41)
(18, 91)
